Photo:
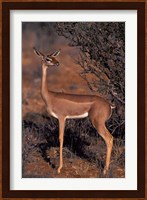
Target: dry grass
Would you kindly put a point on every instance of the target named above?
(84, 151)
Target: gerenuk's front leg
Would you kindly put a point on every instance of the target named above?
(61, 138)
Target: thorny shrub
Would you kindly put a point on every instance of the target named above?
(102, 46)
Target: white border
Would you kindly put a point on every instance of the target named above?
(130, 180)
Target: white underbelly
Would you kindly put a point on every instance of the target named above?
(77, 116)
(71, 116)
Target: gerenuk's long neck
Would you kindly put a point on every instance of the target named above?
(44, 85)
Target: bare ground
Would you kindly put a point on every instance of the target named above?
(83, 153)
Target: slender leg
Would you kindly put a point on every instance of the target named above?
(109, 143)
(103, 131)
(61, 138)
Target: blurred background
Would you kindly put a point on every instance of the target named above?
(92, 61)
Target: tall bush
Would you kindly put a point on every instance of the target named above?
(102, 46)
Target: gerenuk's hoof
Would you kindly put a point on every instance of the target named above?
(105, 171)
(59, 170)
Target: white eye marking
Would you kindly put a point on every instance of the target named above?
(49, 59)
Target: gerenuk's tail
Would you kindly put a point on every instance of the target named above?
(112, 106)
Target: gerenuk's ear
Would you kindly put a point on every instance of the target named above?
(56, 53)
(38, 53)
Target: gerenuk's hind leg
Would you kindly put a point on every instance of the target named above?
(109, 143)
(103, 131)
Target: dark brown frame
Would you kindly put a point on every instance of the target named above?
(6, 7)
